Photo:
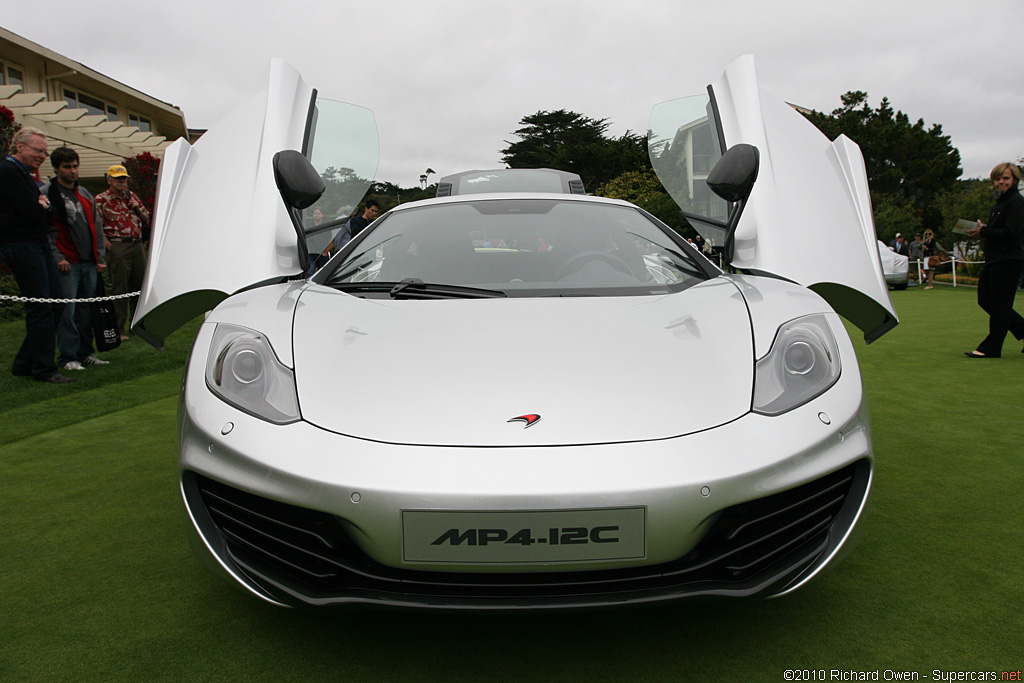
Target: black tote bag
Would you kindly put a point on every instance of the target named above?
(104, 321)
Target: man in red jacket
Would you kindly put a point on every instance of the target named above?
(76, 243)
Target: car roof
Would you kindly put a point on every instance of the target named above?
(510, 180)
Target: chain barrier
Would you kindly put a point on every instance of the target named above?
(89, 300)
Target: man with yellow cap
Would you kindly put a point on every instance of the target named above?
(123, 219)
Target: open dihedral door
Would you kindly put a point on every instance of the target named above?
(220, 224)
(808, 218)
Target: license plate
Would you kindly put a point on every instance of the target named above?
(524, 536)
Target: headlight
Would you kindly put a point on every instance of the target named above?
(244, 371)
(803, 363)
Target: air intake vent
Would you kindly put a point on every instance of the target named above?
(576, 187)
(444, 189)
(307, 557)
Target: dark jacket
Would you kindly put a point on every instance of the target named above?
(22, 219)
(1004, 234)
(357, 223)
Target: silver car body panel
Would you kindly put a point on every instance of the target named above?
(587, 382)
(368, 483)
(332, 340)
(510, 180)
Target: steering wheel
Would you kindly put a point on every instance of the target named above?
(576, 262)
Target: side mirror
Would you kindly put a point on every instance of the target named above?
(300, 186)
(733, 176)
(298, 181)
(732, 179)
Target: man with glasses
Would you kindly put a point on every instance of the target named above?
(123, 219)
(24, 247)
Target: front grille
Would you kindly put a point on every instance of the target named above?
(307, 557)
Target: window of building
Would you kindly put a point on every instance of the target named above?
(11, 75)
(140, 122)
(93, 105)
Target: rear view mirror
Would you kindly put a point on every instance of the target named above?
(733, 176)
(298, 181)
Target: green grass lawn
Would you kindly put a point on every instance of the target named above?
(97, 581)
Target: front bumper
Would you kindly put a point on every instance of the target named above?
(301, 516)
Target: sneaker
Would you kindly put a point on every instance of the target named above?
(72, 365)
(91, 359)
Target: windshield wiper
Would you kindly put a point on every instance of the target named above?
(415, 288)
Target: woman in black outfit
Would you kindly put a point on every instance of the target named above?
(1004, 262)
(930, 247)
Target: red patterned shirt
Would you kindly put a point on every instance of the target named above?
(121, 218)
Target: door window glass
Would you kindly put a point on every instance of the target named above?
(684, 146)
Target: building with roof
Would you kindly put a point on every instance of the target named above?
(103, 120)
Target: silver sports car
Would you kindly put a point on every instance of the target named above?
(509, 400)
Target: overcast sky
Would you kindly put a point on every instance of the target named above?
(449, 80)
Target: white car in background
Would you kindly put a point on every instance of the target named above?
(895, 267)
(519, 400)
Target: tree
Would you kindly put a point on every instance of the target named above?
(568, 141)
(893, 216)
(645, 190)
(344, 188)
(908, 165)
(389, 195)
(968, 199)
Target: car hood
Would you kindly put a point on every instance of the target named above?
(808, 218)
(457, 372)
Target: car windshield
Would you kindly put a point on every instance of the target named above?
(519, 247)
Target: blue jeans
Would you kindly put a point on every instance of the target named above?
(36, 275)
(74, 331)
